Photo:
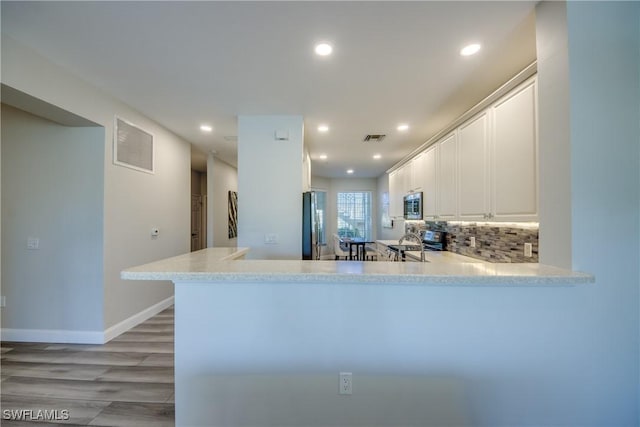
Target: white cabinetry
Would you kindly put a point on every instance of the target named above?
(306, 172)
(497, 160)
(395, 194)
(446, 178)
(417, 173)
(429, 182)
(405, 178)
(473, 169)
(515, 155)
(400, 184)
(486, 169)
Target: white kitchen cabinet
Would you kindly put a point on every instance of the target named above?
(515, 155)
(447, 198)
(306, 172)
(395, 194)
(486, 169)
(429, 182)
(417, 173)
(399, 186)
(473, 169)
(405, 178)
(497, 160)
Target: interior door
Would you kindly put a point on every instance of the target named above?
(196, 222)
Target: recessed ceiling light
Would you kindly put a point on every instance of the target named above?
(470, 49)
(206, 128)
(403, 127)
(323, 157)
(323, 128)
(349, 171)
(377, 156)
(323, 49)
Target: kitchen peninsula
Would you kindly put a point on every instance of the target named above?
(253, 337)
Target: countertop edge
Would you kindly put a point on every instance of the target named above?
(220, 265)
(379, 279)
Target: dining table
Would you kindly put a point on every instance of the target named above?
(359, 243)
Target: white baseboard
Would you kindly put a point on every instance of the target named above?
(136, 319)
(83, 337)
(53, 336)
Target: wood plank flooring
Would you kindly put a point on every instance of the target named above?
(127, 382)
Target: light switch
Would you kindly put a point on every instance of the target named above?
(282, 135)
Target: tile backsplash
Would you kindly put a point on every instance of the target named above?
(495, 242)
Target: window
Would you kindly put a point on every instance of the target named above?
(354, 214)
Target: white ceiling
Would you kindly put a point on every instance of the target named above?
(187, 63)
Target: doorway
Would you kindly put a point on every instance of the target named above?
(198, 210)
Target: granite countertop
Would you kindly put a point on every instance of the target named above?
(218, 265)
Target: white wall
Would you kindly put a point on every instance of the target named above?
(133, 201)
(270, 186)
(603, 42)
(221, 178)
(52, 190)
(554, 149)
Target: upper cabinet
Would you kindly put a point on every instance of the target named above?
(515, 155)
(447, 202)
(417, 173)
(429, 182)
(486, 169)
(395, 194)
(306, 172)
(473, 169)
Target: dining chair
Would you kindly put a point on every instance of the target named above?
(371, 252)
(338, 249)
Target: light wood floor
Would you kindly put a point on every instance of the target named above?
(126, 382)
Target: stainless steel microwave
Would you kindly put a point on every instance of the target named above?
(413, 206)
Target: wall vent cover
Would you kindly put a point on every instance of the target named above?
(132, 147)
(373, 138)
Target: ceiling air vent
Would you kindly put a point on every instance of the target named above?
(373, 138)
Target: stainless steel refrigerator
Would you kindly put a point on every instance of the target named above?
(310, 226)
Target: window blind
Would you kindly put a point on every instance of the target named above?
(354, 214)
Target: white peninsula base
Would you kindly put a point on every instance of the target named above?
(262, 343)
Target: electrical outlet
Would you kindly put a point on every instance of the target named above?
(33, 243)
(528, 250)
(271, 239)
(346, 383)
(472, 242)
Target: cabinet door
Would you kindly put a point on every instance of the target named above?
(515, 180)
(395, 195)
(405, 177)
(429, 182)
(417, 172)
(447, 195)
(473, 169)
